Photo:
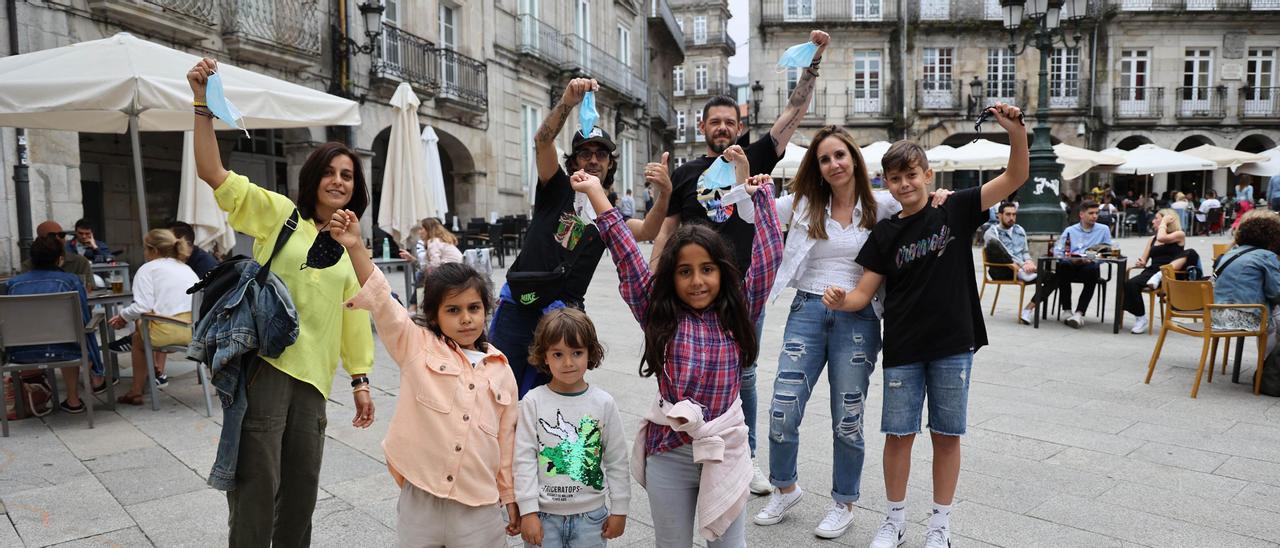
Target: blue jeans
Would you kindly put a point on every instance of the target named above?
(815, 337)
(945, 381)
(512, 331)
(573, 531)
(747, 391)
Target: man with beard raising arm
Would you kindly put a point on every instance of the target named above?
(697, 200)
(562, 245)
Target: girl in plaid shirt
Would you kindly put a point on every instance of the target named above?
(699, 318)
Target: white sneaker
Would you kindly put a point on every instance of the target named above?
(890, 535)
(1076, 320)
(937, 538)
(838, 520)
(1027, 316)
(1140, 325)
(1154, 282)
(778, 505)
(759, 484)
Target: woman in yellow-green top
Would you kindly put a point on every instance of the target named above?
(282, 436)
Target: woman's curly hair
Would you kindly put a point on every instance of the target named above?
(1260, 228)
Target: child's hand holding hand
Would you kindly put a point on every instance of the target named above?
(738, 157)
(614, 526)
(514, 521)
(530, 529)
(344, 227)
(584, 182)
(833, 298)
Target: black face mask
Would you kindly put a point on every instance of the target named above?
(324, 253)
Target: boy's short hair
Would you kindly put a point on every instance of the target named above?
(1086, 206)
(904, 155)
(571, 326)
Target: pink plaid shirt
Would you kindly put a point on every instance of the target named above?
(703, 363)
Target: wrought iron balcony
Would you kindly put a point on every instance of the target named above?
(275, 33)
(712, 39)
(1204, 102)
(828, 11)
(1068, 93)
(938, 94)
(934, 10)
(712, 88)
(660, 14)
(1011, 92)
(463, 80)
(574, 53)
(1137, 103)
(1260, 103)
(407, 57)
(184, 20)
(1194, 5)
(868, 103)
(817, 104)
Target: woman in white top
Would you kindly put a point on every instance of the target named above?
(159, 287)
(830, 212)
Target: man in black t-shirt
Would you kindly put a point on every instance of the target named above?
(932, 317)
(697, 200)
(562, 245)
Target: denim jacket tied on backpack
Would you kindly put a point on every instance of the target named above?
(247, 321)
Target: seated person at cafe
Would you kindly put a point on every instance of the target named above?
(1250, 274)
(200, 261)
(1167, 247)
(1210, 202)
(72, 263)
(87, 246)
(160, 287)
(46, 276)
(1006, 242)
(1073, 267)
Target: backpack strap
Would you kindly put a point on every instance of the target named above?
(286, 231)
(1217, 271)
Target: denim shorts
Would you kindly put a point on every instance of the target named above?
(945, 381)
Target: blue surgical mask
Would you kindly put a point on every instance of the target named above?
(720, 175)
(221, 107)
(587, 115)
(798, 56)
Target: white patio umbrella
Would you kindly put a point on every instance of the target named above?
(1149, 159)
(1267, 168)
(941, 157)
(123, 83)
(1076, 161)
(437, 200)
(1224, 157)
(197, 207)
(871, 154)
(404, 190)
(980, 155)
(790, 163)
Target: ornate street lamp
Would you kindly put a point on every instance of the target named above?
(371, 12)
(757, 95)
(1038, 210)
(975, 96)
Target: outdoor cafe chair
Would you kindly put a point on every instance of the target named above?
(987, 266)
(49, 318)
(1193, 300)
(1153, 294)
(202, 370)
(1220, 250)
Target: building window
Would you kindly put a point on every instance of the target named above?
(1260, 82)
(390, 45)
(677, 80)
(1133, 97)
(700, 29)
(935, 10)
(627, 158)
(798, 10)
(700, 78)
(866, 81)
(529, 116)
(867, 10)
(682, 126)
(936, 85)
(1197, 71)
(624, 45)
(793, 79)
(680, 160)
(1001, 76)
(991, 10)
(448, 41)
(697, 128)
(1064, 78)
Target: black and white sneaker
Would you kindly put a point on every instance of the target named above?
(937, 537)
(71, 410)
(123, 344)
(890, 535)
(162, 381)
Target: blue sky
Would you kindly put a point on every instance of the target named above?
(738, 31)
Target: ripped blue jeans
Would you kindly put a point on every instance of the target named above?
(815, 338)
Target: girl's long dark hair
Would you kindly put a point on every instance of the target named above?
(665, 306)
(445, 280)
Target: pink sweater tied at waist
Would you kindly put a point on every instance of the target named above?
(720, 446)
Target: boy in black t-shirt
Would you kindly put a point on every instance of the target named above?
(932, 318)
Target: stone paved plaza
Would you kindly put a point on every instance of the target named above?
(1066, 447)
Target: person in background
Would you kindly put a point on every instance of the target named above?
(1012, 238)
(1273, 193)
(627, 206)
(72, 262)
(88, 246)
(436, 247)
(159, 287)
(1182, 206)
(1250, 274)
(1168, 246)
(1210, 202)
(46, 276)
(1244, 195)
(200, 261)
(1072, 268)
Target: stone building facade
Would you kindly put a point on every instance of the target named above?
(704, 73)
(485, 71)
(921, 69)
